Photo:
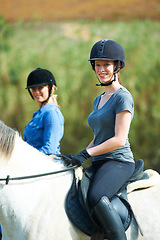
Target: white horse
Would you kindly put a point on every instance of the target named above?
(33, 208)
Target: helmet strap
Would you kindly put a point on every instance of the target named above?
(107, 84)
(49, 94)
(116, 70)
(30, 93)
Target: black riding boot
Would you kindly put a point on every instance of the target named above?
(109, 220)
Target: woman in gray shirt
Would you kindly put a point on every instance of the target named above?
(110, 120)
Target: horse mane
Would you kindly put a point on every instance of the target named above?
(7, 139)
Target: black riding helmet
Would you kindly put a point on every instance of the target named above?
(40, 77)
(107, 50)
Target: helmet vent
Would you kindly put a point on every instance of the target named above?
(101, 48)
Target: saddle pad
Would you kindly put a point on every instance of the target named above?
(153, 179)
(76, 214)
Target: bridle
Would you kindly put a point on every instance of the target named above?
(66, 159)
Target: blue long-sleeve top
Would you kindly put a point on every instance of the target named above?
(46, 129)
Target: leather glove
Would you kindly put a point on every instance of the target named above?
(80, 158)
(70, 156)
(68, 160)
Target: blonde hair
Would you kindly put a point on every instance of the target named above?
(54, 96)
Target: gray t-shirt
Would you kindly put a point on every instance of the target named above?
(102, 122)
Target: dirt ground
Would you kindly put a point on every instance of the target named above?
(61, 10)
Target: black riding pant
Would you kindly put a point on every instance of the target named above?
(109, 177)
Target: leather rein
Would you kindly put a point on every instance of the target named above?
(63, 157)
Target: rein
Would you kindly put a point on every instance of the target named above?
(64, 158)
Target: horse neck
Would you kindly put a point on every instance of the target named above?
(26, 160)
(31, 198)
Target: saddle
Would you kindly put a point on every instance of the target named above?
(79, 212)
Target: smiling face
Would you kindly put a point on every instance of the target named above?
(104, 70)
(40, 94)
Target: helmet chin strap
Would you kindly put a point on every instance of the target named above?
(49, 94)
(107, 84)
(116, 70)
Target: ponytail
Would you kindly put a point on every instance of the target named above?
(54, 96)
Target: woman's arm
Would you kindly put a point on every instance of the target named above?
(53, 132)
(122, 125)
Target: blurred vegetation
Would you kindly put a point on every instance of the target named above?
(64, 49)
(62, 10)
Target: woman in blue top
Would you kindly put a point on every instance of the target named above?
(110, 120)
(46, 128)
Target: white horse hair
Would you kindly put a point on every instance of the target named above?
(33, 209)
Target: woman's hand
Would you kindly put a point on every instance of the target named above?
(80, 158)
